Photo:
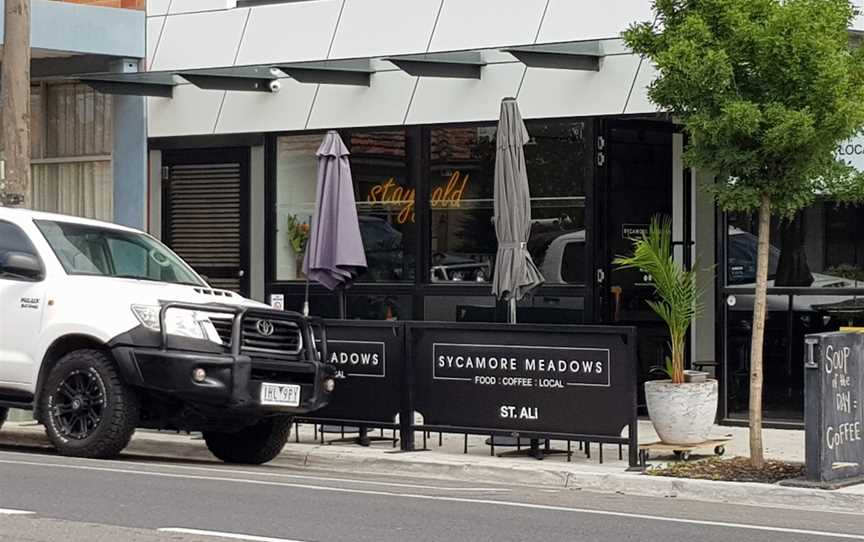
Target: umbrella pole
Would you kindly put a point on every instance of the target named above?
(306, 298)
(512, 315)
(342, 309)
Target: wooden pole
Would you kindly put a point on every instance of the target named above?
(16, 187)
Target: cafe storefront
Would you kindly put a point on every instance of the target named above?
(241, 93)
(424, 198)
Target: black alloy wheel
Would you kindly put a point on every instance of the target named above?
(87, 408)
(77, 405)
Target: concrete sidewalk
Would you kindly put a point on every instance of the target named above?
(448, 461)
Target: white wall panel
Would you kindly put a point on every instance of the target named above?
(573, 20)
(563, 93)
(454, 100)
(639, 102)
(858, 23)
(192, 6)
(289, 32)
(384, 27)
(157, 7)
(384, 103)
(260, 111)
(200, 40)
(192, 111)
(474, 24)
(153, 31)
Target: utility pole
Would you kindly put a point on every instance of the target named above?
(15, 177)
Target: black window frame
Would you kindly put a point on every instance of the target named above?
(418, 156)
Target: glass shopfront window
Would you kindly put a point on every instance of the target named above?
(461, 176)
(461, 309)
(384, 195)
(817, 252)
(453, 168)
(296, 174)
(381, 306)
(385, 204)
(462, 165)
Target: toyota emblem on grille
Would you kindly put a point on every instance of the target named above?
(264, 327)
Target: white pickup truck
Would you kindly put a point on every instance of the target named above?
(103, 329)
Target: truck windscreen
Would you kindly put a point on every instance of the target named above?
(90, 250)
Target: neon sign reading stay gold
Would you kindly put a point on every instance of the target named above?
(390, 193)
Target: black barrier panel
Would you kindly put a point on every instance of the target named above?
(368, 357)
(574, 382)
(834, 416)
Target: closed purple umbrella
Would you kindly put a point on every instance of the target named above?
(334, 255)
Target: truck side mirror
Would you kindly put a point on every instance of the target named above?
(21, 265)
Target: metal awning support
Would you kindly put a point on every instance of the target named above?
(240, 78)
(330, 72)
(456, 65)
(561, 56)
(132, 84)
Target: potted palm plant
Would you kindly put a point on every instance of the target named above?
(681, 411)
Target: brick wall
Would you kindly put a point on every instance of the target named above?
(128, 4)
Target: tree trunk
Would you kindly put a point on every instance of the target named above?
(757, 458)
(15, 190)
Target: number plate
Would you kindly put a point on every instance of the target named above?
(280, 394)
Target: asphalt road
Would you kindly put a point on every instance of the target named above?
(45, 497)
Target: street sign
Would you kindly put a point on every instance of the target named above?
(834, 417)
(277, 302)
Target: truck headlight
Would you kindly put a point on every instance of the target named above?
(180, 322)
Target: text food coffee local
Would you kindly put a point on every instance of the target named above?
(522, 366)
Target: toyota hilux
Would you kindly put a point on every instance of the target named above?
(103, 329)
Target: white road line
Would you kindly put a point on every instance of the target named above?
(441, 498)
(9, 512)
(268, 474)
(234, 536)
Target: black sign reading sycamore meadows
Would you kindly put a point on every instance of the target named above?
(357, 358)
(526, 379)
(368, 358)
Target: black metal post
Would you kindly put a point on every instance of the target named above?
(406, 413)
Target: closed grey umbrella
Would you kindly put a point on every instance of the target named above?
(334, 254)
(515, 272)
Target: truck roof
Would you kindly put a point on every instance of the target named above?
(21, 215)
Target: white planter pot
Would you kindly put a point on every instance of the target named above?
(682, 413)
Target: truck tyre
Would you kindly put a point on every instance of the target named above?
(3, 413)
(253, 445)
(87, 409)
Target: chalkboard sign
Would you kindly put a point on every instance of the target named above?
(525, 379)
(834, 418)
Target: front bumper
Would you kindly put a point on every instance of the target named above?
(231, 381)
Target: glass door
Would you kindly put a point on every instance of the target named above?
(633, 184)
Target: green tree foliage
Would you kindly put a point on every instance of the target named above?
(765, 89)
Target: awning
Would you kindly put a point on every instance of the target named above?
(459, 64)
(560, 56)
(585, 55)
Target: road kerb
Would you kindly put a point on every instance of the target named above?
(346, 460)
